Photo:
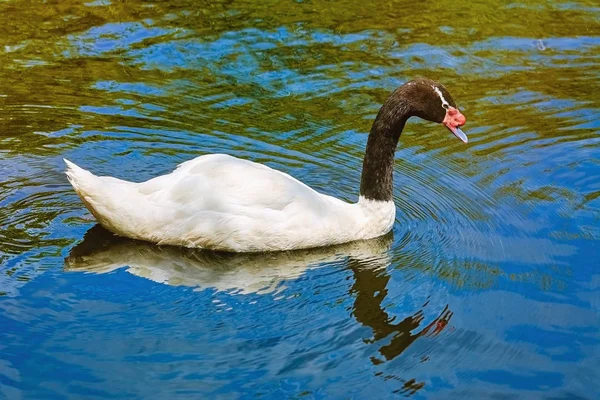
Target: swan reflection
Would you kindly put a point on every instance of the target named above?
(102, 252)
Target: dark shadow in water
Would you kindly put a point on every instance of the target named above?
(102, 252)
(370, 288)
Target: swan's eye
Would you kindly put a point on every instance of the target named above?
(445, 106)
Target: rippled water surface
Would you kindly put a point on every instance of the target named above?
(488, 286)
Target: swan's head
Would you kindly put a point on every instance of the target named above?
(431, 101)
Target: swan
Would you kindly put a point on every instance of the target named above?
(223, 203)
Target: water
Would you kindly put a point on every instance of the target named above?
(488, 286)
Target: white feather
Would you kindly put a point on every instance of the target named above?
(220, 202)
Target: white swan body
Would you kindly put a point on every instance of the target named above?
(220, 202)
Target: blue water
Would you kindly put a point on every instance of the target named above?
(487, 288)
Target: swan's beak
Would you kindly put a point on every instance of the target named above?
(459, 134)
(453, 121)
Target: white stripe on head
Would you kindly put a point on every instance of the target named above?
(437, 90)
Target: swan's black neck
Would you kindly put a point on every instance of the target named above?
(378, 165)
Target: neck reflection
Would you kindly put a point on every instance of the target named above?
(370, 289)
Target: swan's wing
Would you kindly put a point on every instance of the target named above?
(223, 183)
(222, 202)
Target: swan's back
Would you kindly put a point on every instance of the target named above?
(222, 183)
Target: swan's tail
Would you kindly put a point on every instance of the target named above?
(77, 175)
(105, 197)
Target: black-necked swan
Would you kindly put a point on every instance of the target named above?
(220, 202)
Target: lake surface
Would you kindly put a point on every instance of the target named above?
(488, 286)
